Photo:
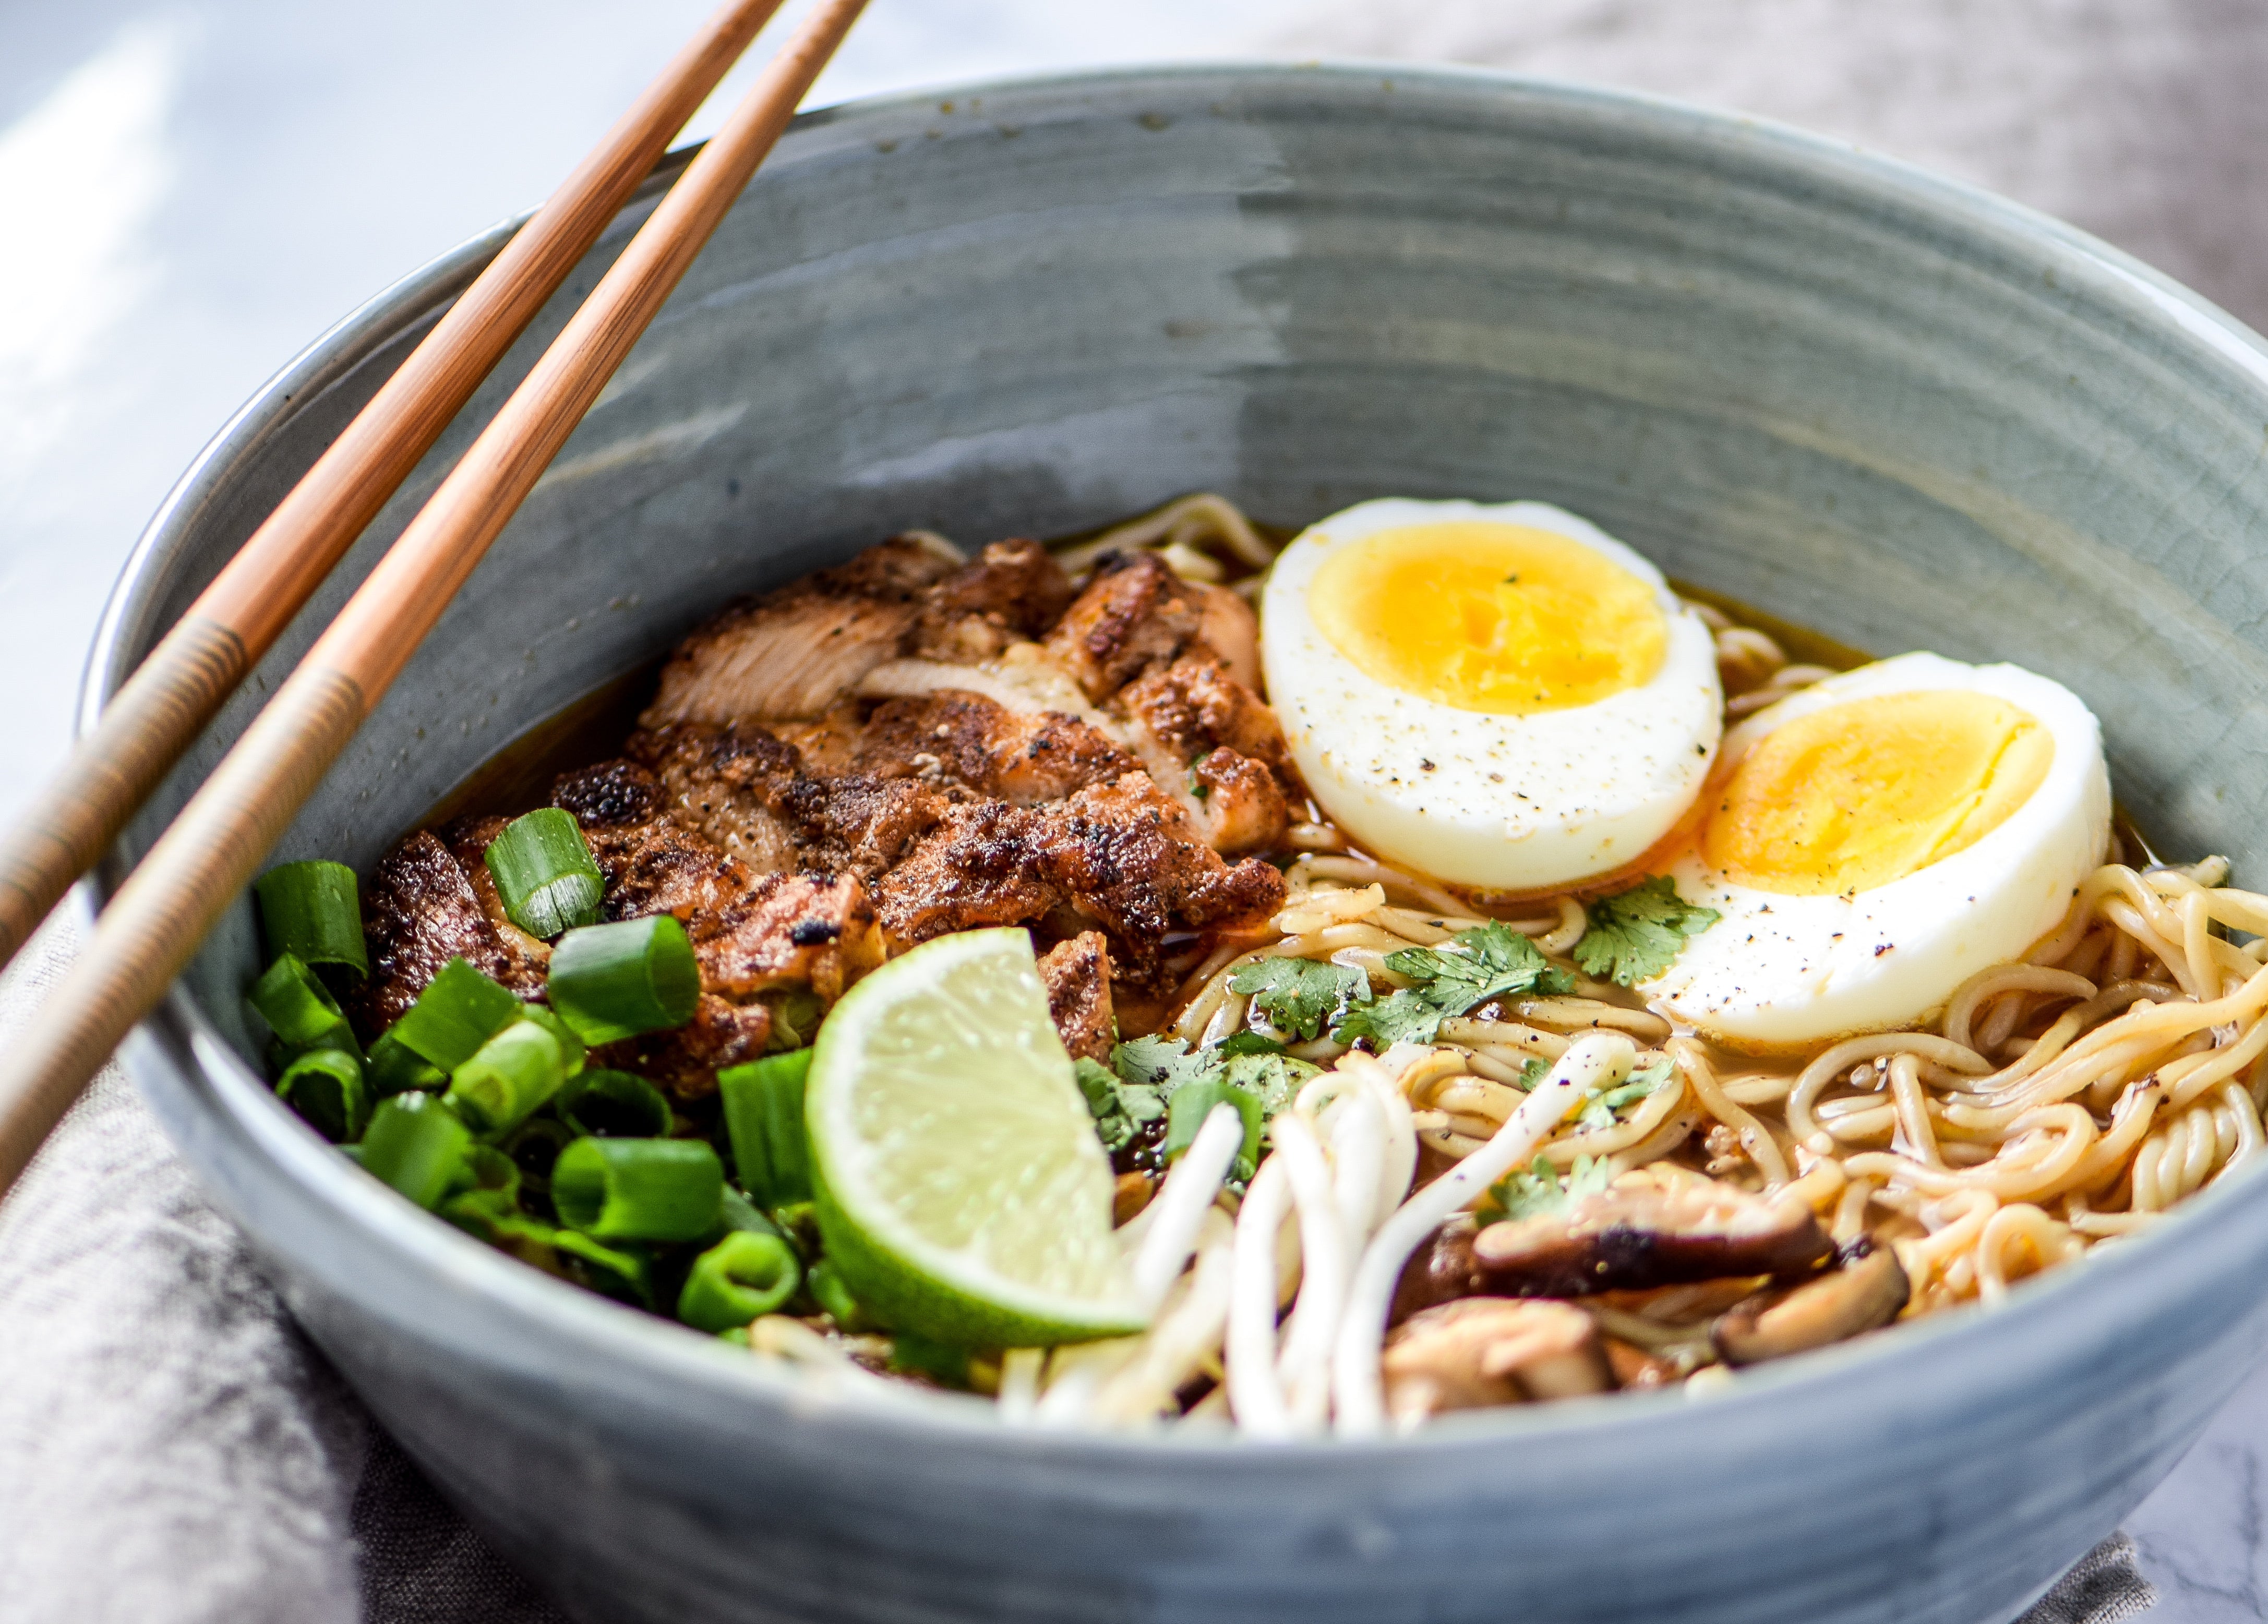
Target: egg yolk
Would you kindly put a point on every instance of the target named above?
(1866, 792)
(1498, 618)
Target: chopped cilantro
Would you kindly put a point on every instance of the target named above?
(1121, 1109)
(1635, 936)
(1299, 995)
(1536, 1189)
(1162, 1063)
(1533, 1072)
(1249, 1043)
(1473, 966)
(1601, 1104)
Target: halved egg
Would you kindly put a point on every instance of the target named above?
(1502, 696)
(1878, 838)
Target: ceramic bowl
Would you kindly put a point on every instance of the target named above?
(1871, 402)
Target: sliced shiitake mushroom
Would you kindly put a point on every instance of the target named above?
(1867, 1290)
(1440, 1271)
(1657, 1225)
(1485, 1351)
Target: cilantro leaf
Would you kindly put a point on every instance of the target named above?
(1121, 1109)
(1537, 1189)
(1601, 1104)
(1402, 1017)
(1299, 995)
(1162, 1063)
(1471, 968)
(1533, 1072)
(1249, 1042)
(1635, 936)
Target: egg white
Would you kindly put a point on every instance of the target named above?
(1778, 971)
(1499, 802)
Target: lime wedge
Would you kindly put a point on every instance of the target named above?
(960, 1188)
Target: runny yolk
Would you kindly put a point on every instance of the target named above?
(1868, 791)
(1489, 617)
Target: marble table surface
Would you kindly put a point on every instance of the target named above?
(211, 182)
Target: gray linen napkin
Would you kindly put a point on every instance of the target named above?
(173, 1450)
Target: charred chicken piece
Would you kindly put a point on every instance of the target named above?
(1133, 613)
(1121, 855)
(792, 652)
(1013, 591)
(421, 912)
(788, 930)
(1077, 975)
(1486, 1351)
(686, 1062)
(957, 739)
(1867, 1291)
(1658, 1225)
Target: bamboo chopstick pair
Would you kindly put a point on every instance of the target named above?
(152, 927)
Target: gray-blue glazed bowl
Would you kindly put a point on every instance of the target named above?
(1874, 403)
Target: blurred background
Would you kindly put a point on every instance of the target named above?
(192, 190)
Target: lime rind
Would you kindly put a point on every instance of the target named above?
(960, 1188)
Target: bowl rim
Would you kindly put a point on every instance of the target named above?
(179, 1040)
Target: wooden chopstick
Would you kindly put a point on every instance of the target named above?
(201, 863)
(182, 684)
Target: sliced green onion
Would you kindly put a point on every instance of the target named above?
(743, 1277)
(489, 1171)
(311, 911)
(615, 981)
(545, 873)
(638, 1189)
(325, 1086)
(460, 1009)
(300, 1008)
(416, 1144)
(512, 1075)
(796, 1015)
(395, 1067)
(533, 1146)
(763, 1117)
(1192, 1103)
(571, 1047)
(622, 1273)
(737, 1336)
(828, 1290)
(739, 1213)
(614, 1104)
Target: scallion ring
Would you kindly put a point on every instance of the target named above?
(513, 1074)
(615, 981)
(460, 1009)
(638, 1189)
(300, 1008)
(614, 1104)
(763, 1117)
(311, 911)
(416, 1144)
(325, 1086)
(1191, 1104)
(741, 1278)
(545, 873)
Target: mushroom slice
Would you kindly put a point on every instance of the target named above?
(1658, 1225)
(1484, 1351)
(1866, 1292)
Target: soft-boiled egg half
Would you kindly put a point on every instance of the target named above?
(1501, 696)
(1876, 839)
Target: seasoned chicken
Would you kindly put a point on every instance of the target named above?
(963, 740)
(1484, 1351)
(1122, 854)
(1133, 613)
(420, 912)
(686, 1062)
(792, 652)
(1077, 975)
(1013, 591)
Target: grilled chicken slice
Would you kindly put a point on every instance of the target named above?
(1134, 613)
(1122, 854)
(1077, 975)
(1490, 1350)
(420, 911)
(686, 1062)
(1655, 1226)
(751, 932)
(794, 651)
(1013, 591)
(957, 739)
